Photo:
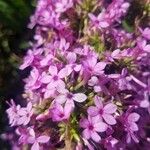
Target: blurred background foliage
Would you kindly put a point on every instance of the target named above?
(14, 37)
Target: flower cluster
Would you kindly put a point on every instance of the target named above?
(89, 82)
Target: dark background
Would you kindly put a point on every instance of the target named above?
(14, 37)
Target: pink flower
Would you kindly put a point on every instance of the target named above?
(53, 78)
(33, 82)
(99, 21)
(69, 97)
(37, 140)
(143, 45)
(25, 114)
(92, 67)
(18, 115)
(28, 59)
(13, 113)
(131, 126)
(91, 128)
(104, 112)
(63, 5)
(146, 33)
(59, 113)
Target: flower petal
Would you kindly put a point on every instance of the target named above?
(64, 73)
(110, 108)
(43, 139)
(46, 79)
(79, 97)
(53, 70)
(98, 102)
(109, 119)
(133, 117)
(133, 126)
(86, 134)
(95, 136)
(92, 111)
(35, 146)
(100, 127)
(99, 67)
(61, 99)
(84, 123)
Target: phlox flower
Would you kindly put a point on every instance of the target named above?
(130, 120)
(99, 21)
(63, 5)
(12, 112)
(104, 112)
(92, 126)
(68, 97)
(37, 140)
(59, 113)
(91, 67)
(25, 114)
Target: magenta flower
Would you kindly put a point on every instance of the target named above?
(59, 113)
(63, 5)
(99, 21)
(33, 82)
(144, 46)
(92, 126)
(37, 140)
(27, 60)
(131, 126)
(69, 97)
(92, 67)
(25, 114)
(54, 77)
(146, 33)
(104, 112)
(13, 113)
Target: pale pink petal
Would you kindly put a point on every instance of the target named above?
(92, 62)
(109, 119)
(48, 93)
(92, 111)
(53, 70)
(86, 134)
(147, 48)
(35, 146)
(77, 68)
(71, 57)
(79, 97)
(110, 108)
(103, 24)
(22, 112)
(31, 139)
(99, 67)
(100, 127)
(29, 106)
(21, 120)
(61, 99)
(32, 133)
(95, 136)
(98, 102)
(133, 126)
(93, 81)
(133, 117)
(43, 139)
(26, 121)
(84, 123)
(46, 79)
(63, 73)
